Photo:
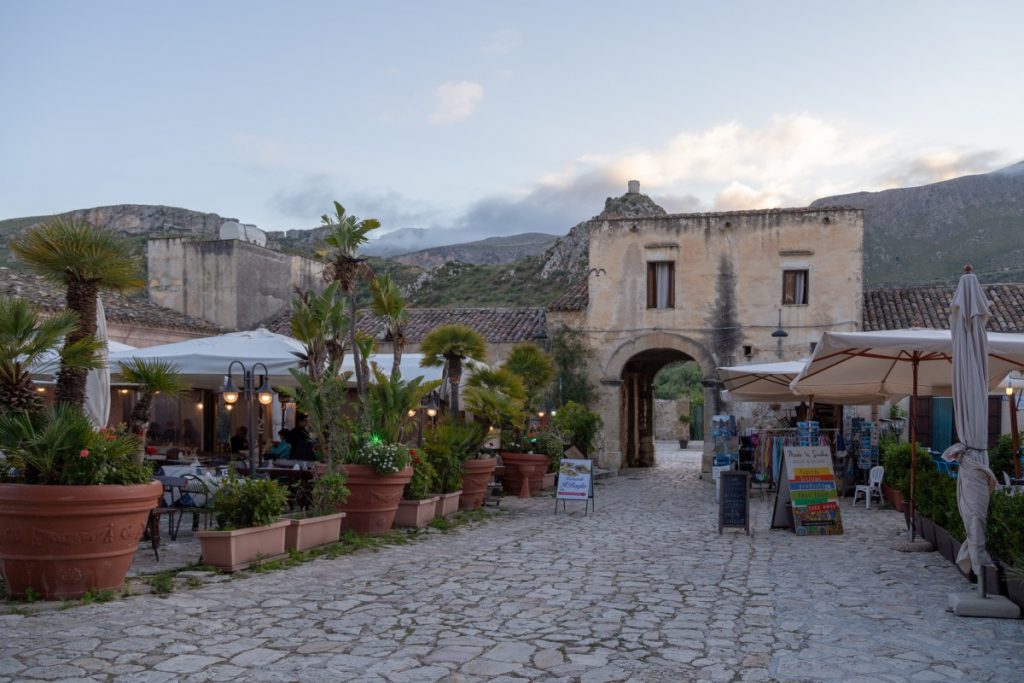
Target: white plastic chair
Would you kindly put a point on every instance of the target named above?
(1006, 479)
(872, 488)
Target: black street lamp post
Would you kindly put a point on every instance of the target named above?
(263, 395)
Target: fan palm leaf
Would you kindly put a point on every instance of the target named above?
(449, 346)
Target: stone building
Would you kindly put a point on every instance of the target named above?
(235, 282)
(715, 288)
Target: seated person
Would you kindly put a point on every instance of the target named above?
(300, 440)
(170, 433)
(240, 441)
(282, 449)
(154, 432)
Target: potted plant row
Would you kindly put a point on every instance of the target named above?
(321, 524)
(418, 505)
(453, 449)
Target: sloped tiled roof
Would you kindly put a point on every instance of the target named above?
(896, 308)
(119, 308)
(575, 298)
(496, 325)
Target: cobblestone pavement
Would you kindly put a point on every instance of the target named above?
(643, 590)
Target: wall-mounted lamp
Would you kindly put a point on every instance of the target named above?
(779, 334)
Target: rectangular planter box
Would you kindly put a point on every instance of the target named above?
(415, 514)
(447, 504)
(233, 550)
(303, 534)
(549, 480)
(1014, 588)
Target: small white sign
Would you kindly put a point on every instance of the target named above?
(575, 479)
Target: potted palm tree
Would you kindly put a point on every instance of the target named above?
(496, 397)
(451, 448)
(449, 346)
(321, 525)
(684, 430)
(250, 528)
(78, 494)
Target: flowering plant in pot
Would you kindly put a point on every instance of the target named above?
(248, 514)
(377, 473)
(452, 448)
(321, 524)
(74, 503)
(418, 505)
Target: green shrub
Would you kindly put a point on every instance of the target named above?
(1006, 528)
(243, 503)
(579, 425)
(328, 492)
(447, 446)
(552, 444)
(422, 483)
(1000, 457)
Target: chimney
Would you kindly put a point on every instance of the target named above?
(633, 187)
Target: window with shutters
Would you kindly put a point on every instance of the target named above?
(795, 287)
(661, 284)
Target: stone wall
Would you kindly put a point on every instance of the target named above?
(666, 418)
(232, 283)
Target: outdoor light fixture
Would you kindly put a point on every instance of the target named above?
(779, 334)
(431, 411)
(199, 405)
(1009, 391)
(122, 391)
(412, 412)
(264, 395)
(540, 414)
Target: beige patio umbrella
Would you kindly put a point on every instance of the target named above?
(969, 313)
(769, 383)
(896, 363)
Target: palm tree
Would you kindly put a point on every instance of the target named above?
(85, 260)
(26, 338)
(498, 396)
(345, 234)
(535, 368)
(320, 323)
(448, 346)
(389, 304)
(151, 376)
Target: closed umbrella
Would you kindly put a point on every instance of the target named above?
(969, 313)
(97, 382)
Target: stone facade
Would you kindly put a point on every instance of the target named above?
(232, 283)
(726, 301)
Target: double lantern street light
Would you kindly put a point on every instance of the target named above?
(427, 408)
(264, 395)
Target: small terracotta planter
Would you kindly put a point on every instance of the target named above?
(62, 541)
(373, 498)
(415, 514)
(524, 473)
(311, 532)
(476, 476)
(549, 480)
(238, 549)
(447, 504)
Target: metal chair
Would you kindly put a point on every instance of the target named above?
(189, 502)
(872, 488)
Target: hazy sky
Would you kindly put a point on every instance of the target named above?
(496, 117)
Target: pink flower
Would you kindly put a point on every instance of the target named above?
(83, 453)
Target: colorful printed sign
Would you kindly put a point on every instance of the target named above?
(575, 479)
(811, 482)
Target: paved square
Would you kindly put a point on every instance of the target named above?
(643, 590)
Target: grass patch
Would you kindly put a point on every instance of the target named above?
(97, 596)
(162, 583)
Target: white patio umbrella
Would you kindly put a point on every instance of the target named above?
(204, 362)
(769, 382)
(897, 363)
(97, 381)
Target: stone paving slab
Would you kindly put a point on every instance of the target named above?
(643, 590)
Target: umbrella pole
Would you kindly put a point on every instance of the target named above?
(1014, 434)
(913, 443)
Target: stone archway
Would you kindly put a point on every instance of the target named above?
(627, 394)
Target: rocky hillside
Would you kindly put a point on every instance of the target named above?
(493, 250)
(927, 233)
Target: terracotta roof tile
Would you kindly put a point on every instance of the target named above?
(895, 308)
(120, 308)
(497, 325)
(575, 298)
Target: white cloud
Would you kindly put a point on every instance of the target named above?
(454, 102)
(501, 42)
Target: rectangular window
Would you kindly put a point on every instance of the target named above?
(795, 287)
(661, 284)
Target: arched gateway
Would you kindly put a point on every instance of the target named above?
(711, 287)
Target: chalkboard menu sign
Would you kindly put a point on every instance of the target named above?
(733, 500)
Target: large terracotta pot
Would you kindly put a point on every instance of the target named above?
(62, 541)
(373, 498)
(241, 548)
(476, 476)
(415, 514)
(550, 479)
(310, 532)
(524, 473)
